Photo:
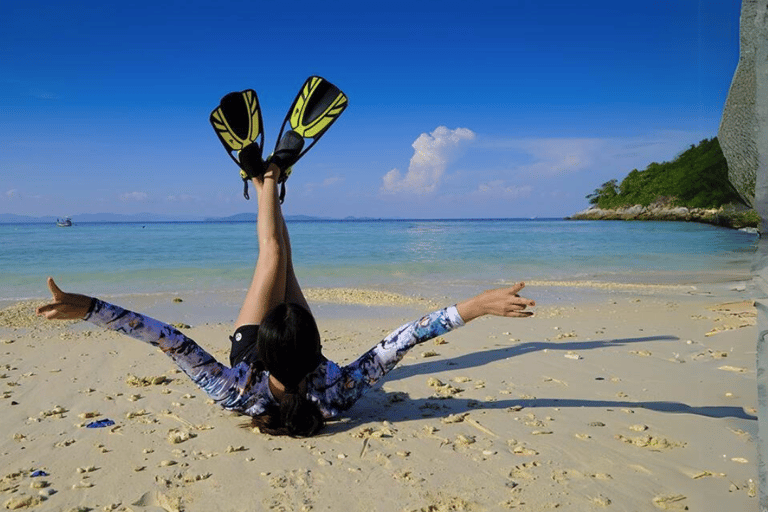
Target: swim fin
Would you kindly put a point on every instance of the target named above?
(316, 107)
(238, 124)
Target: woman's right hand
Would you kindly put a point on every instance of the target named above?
(65, 306)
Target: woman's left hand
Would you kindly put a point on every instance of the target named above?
(65, 306)
(500, 302)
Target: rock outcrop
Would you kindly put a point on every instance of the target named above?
(739, 128)
(717, 216)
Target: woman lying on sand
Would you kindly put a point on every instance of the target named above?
(278, 374)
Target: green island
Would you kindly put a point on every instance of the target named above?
(693, 187)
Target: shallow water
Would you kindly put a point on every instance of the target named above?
(421, 256)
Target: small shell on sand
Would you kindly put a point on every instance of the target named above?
(695, 475)
(670, 502)
(638, 428)
(133, 380)
(651, 442)
(367, 432)
(176, 436)
(522, 450)
(733, 369)
(441, 388)
(23, 502)
(188, 479)
(601, 500)
(455, 418)
(434, 383)
(56, 411)
(465, 440)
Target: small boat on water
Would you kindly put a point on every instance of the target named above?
(64, 223)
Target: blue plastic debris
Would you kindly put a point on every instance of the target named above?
(100, 423)
(39, 472)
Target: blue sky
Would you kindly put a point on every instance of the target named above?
(457, 109)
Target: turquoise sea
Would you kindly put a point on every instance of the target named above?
(411, 256)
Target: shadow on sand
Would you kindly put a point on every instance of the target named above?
(379, 405)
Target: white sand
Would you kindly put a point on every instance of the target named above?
(641, 399)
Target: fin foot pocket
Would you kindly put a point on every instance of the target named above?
(251, 161)
(288, 150)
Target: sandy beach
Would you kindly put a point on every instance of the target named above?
(630, 398)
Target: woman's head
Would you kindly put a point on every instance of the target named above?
(289, 343)
(289, 347)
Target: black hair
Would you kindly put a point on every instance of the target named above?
(289, 348)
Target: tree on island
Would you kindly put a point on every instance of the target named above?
(697, 178)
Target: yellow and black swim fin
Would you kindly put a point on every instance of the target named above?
(316, 107)
(237, 122)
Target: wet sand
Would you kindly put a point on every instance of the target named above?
(639, 398)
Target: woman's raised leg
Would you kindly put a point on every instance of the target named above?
(268, 286)
(293, 293)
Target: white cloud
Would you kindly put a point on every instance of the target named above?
(555, 156)
(432, 154)
(499, 188)
(549, 157)
(138, 197)
(327, 182)
(181, 198)
(332, 181)
(12, 193)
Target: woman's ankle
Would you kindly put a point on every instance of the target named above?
(272, 172)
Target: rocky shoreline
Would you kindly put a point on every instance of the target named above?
(724, 216)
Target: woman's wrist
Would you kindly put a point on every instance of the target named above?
(471, 308)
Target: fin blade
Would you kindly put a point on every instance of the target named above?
(316, 107)
(237, 120)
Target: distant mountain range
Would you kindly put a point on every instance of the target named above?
(10, 218)
(251, 217)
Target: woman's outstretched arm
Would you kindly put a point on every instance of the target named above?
(226, 386)
(357, 377)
